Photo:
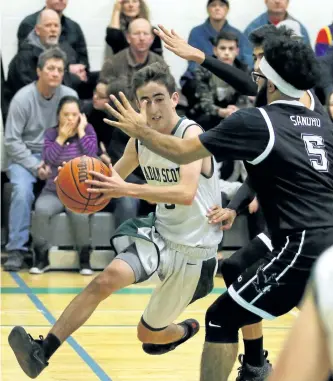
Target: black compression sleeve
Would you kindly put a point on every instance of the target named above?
(236, 78)
(242, 198)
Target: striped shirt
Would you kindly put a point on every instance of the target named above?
(54, 154)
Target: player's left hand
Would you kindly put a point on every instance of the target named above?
(130, 121)
(110, 187)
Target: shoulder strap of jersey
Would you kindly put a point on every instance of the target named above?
(183, 126)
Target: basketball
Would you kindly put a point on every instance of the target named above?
(72, 188)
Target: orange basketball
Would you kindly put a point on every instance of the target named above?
(72, 188)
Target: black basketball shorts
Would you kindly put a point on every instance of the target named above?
(275, 284)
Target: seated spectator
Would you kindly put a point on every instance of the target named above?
(276, 12)
(95, 111)
(71, 33)
(72, 137)
(32, 110)
(330, 106)
(324, 86)
(216, 99)
(136, 56)
(125, 11)
(324, 40)
(202, 37)
(22, 68)
(123, 208)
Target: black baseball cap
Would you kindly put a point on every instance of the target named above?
(226, 2)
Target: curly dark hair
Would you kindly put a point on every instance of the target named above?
(293, 60)
(259, 35)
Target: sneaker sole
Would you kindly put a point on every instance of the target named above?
(20, 343)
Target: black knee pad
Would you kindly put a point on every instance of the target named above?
(224, 318)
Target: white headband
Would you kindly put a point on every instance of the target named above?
(279, 82)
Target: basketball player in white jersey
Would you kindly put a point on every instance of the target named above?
(308, 353)
(176, 246)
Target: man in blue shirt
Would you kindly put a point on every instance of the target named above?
(202, 37)
(276, 12)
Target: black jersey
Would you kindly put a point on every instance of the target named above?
(288, 153)
(315, 104)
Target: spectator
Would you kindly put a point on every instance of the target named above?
(123, 208)
(202, 36)
(95, 112)
(324, 40)
(215, 98)
(276, 12)
(125, 11)
(136, 56)
(22, 68)
(324, 86)
(71, 32)
(72, 137)
(330, 106)
(31, 111)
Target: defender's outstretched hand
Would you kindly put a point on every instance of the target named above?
(216, 215)
(130, 121)
(179, 46)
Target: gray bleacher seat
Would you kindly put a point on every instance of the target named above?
(103, 225)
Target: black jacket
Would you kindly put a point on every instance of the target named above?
(71, 33)
(22, 69)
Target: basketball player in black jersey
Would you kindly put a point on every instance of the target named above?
(288, 151)
(254, 364)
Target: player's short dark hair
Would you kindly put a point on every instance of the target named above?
(229, 36)
(156, 72)
(293, 60)
(53, 53)
(65, 100)
(259, 35)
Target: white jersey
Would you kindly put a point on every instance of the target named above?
(182, 224)
(323, 285)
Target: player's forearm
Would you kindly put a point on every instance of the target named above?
(170, 147)
(172, 194)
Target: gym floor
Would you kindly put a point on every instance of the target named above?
(106, 347)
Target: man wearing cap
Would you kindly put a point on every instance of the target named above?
(202, 37)
(288, 152)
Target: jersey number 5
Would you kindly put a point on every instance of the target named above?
(315, 147)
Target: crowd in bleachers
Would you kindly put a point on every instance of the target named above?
(53, 108)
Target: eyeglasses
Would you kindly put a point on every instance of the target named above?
(256, 76)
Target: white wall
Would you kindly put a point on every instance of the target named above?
(182, 15)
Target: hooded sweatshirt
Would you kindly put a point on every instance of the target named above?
(23, 67)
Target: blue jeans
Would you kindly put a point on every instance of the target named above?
(123, 209)
(22, 198)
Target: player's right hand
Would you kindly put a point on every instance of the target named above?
(216, 215)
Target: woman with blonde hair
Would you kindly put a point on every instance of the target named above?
(125, 11)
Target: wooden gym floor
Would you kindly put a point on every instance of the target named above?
(106, 348)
